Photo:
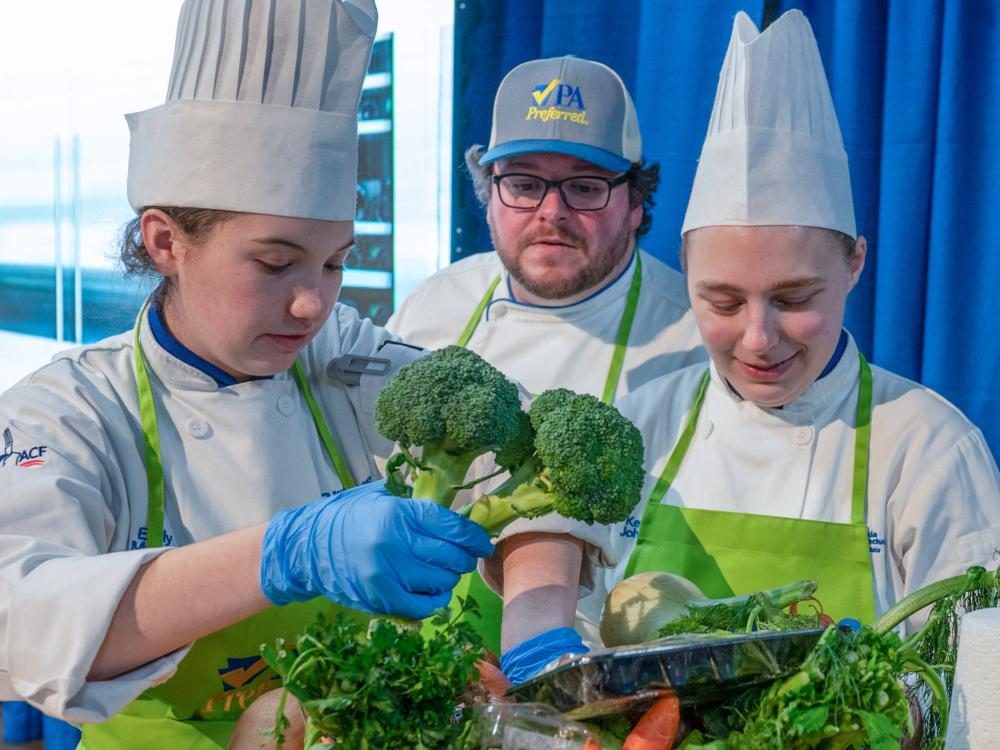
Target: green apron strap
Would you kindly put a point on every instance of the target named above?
(862, 442)
(621, 337)
(151, 438)
(470, 327)
(151, 442)
(624, 329)
(669, 473)
(339, 465)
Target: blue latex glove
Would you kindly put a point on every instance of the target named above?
(527, 658)
(369, 550)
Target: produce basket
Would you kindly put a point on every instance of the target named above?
(699, 668)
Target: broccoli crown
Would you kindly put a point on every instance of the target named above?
(593, 456)
(521, 447)
(450, 398)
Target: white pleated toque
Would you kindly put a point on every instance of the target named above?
(773, 154)
(261, 110)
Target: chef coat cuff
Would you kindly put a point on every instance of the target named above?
(63, 609)
(100, 700)
(597, 551)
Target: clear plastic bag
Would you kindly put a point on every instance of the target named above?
(531, 726)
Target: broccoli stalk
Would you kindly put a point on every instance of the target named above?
(441, 470)
(585, 463)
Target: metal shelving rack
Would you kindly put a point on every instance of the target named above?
(368, 279)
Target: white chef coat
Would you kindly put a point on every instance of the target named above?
(553, 347)
(73, 491)
(933, 506)
(556, 347)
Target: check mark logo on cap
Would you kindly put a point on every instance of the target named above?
(541, 94)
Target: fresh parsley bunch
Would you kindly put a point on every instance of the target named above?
(382, 683)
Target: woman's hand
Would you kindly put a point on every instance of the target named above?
(369, 550)
(251, 732)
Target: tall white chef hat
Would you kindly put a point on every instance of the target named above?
(773, 153)
(261, 110)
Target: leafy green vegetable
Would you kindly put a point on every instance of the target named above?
(846, 695)
(655, 604)
(937, 642)
(760, 611)
(571, 453)
(455, 407)
(382, 684)
(585, 462)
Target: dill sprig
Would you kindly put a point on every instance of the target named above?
(937, 642)
(844, 696)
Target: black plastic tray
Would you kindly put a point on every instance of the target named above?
(698, 668)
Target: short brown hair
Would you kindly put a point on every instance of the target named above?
(195, 223)
(642, 184)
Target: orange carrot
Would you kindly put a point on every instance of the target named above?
(657, 727)
(493, 680)
(591, 744)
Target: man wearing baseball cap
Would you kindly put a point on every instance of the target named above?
(566, 299)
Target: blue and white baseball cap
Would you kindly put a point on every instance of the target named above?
(565, 105)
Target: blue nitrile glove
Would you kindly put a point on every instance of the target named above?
(369, 550)
(527, 658)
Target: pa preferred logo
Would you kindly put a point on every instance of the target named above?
(25, 459)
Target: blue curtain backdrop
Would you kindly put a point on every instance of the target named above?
(915, 84)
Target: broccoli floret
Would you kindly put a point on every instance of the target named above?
(587, 464)
(455, 407)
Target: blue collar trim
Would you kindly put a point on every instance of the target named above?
(174, 347)
(512, 300)
(837, 354)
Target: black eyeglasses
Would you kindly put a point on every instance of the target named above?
(579, 193)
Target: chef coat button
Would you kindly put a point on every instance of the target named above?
(198, 428)
(803, 435)
(286, 405)
(706, 429)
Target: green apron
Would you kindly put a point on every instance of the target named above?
(223, 673)
(736, 553)
(488, 622)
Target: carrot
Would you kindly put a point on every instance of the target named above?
(591, 744)
(657, 727)
(493, 680)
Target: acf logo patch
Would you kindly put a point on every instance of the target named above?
(25, 459)
(557, 100)
(240, 672)
(240, 687)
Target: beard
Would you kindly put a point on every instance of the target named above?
(591, 272)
